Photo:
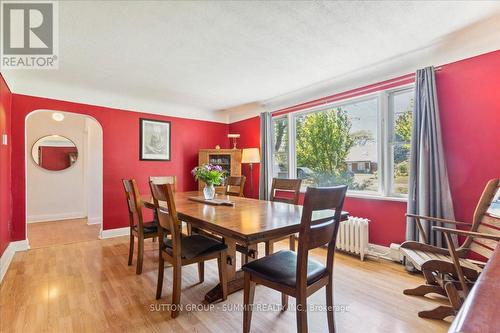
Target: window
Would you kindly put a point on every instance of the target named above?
(401, 105)
(280, 147)
(328, 140)
(363, 142)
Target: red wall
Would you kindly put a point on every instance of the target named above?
(55, 158)
(5, 181)
(469, 98)
(120, 153)
(469, 101)
(249, 129)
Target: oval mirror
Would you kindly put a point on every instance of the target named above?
(54, 152)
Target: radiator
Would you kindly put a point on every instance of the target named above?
(353, 236)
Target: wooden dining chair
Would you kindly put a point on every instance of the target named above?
(288, 191)
(295, 274)
(181, 250)
(158, 180)
(138, 228)
(449, 272)
(235, 185)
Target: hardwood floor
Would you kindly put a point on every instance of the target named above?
(42, 234)
(88, 287)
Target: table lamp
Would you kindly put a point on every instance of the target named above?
(233, 136)
(250, 156)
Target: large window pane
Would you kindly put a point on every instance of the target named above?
(402, 107)
(343, 144)
(339, 146)
(280, 147)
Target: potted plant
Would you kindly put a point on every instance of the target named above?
(211, 175)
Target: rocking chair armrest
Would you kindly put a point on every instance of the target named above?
(468, 233)
(418, 217)
(420, 227)
(478, 263)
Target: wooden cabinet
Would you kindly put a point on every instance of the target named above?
(228, 159)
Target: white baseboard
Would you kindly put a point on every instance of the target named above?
(94, 220)
(9, 253)
(110, 233)
(55, 217)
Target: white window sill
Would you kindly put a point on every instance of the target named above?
(376, 197)
(372, 197)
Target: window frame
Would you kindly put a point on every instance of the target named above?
(385, 142)
(390, 139)
(273, 137)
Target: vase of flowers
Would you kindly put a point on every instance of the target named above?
(211, 175)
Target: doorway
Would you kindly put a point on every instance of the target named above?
(63, 178)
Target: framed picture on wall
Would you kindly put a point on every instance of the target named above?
(154, 136)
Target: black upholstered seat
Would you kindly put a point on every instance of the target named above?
(281, 267)
(196, 245)
(279, 271)
(149, 227)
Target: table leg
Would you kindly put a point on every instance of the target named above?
(234, 277)
(248, 253)
(231, 258)
(270, 247)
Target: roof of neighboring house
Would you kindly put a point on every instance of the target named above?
(366, 152)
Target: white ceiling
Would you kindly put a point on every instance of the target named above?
(192, 59)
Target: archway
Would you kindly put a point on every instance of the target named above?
(64, 168)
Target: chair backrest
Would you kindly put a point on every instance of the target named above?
(321, 216)
(134, 205)
(235, 185)
(158, 180)
(290, 186)
(485, 222)
(167, 218)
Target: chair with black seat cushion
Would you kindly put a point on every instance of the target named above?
(294, 273)
(168, 180)
(181, 250)
(287, 191)
(141, 230)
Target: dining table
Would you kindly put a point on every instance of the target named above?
(242, 226)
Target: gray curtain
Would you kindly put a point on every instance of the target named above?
(266, 164)
(429, 190)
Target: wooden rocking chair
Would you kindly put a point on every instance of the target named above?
(448, 272)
